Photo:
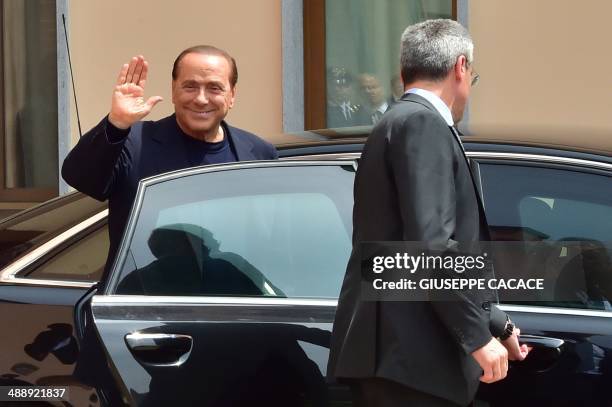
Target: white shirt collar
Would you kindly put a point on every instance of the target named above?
(436, 102)
(383, 107)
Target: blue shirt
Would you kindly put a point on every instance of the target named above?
(201, 152)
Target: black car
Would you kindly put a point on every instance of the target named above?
(281, 231)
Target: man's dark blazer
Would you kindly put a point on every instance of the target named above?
(414, 184)
(111, 170)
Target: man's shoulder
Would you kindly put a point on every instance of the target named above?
(410, 107)
(248, 137)
(410, 114)
(409, 120)
(250, 146)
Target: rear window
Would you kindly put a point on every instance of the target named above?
(29, 229)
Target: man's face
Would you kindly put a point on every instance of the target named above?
(372, 89)
(340, 90)
(202, 94)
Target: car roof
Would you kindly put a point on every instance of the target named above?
(351, 139)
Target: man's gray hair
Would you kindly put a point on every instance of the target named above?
(430, 49)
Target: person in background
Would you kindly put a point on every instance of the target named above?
(375, 96)
(342, 108)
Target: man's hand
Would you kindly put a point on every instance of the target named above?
(515, 350)
(493, 359)
(128, 105)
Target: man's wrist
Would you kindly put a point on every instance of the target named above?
(118, 124)
(508, 330)
(115, 134)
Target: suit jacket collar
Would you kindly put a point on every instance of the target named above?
(243, 146)
(413, 97)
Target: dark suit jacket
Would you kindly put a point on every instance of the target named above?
(106, 170)
(414, 184)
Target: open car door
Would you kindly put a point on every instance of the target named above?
(224, 288)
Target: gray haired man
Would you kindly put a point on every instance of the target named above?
(414, 184)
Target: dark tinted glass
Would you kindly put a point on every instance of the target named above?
(571, 212)
(33, 227)
(283, 232)
(82, 260)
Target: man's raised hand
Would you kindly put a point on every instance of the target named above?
(128, 104)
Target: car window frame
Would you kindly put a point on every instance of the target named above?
(580, 165)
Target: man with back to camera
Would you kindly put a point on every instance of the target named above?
(110, 159)
(414, 177)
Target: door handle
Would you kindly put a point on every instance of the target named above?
(160, 349)
(542, 342)
(544, 354)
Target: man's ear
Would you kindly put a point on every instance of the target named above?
(174, 85)
(460, 68)
(232, 96)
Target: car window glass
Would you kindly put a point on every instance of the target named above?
(33, 227)
(83, 260)
(283, 232)
(569, 215)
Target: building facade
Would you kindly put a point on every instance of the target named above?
(303, 64)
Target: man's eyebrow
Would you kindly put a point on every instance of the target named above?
(188, 82)
(217, 83)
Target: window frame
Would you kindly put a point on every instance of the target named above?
(37, 194)
(315, 63)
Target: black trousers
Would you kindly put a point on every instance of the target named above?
(375, 392)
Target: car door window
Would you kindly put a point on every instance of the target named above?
(280, 232)
(82, 260)
(567, 213)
